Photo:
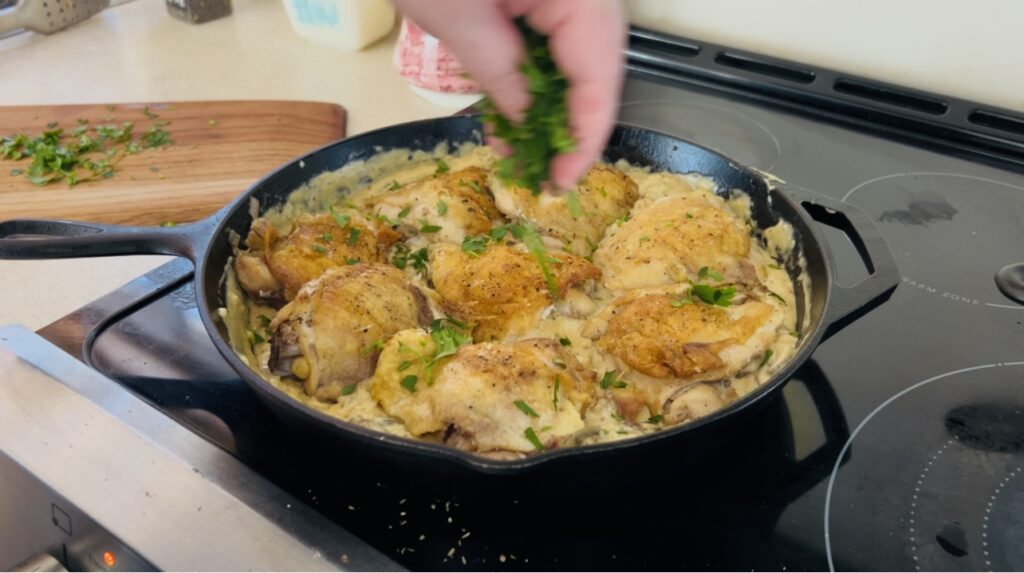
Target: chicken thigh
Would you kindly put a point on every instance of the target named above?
(578, 221)
(502, 290)
(488, 398)
(331, 334)
(667, 338)
(670, 240)
(274, 267)
(445, 208)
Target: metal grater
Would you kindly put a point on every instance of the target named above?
(48, 16)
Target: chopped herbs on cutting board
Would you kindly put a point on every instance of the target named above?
(83, 152)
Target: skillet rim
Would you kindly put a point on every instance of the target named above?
(400, 445)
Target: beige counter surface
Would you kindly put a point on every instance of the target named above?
(136, 52)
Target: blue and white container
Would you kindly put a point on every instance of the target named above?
(349, 25)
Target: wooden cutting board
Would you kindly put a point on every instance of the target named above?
(219, 149)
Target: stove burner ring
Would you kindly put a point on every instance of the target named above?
(864, 423)
(1009, 279)
(761, 150)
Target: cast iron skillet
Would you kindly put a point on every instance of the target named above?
(828, 305)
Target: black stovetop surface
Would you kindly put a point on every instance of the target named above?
(922, 400)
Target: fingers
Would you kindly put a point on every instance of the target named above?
(483, 37)
(587, 39)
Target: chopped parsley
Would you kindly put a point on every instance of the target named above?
(447, 339)
(442, 208)
(573, 200)
(554, 393)
(475, 245)
(353, 236)
(611, 380)
(532, 436)
(526, 409)
(442, 167)
(655, 419)
(402, 258)
(428, 229)
(264, 320)
(498, 233)
(347, 390)
(404, 212)
(544, 131)
(776, 295)
(717, 296)
(340, 219)
(706, 272)
(156, 136)
(374, 346)
(683, 299)
(405, 365)
(564, 341)
(409, 383)
(394, 185)
(535, 245)
(256, 338)
(351, 262)
(767, 356)
(689, 215)
(326, 237)
(319, 249)
(474, 185)
(78, 156)
(419, 259)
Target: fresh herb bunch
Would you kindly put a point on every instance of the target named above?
(83, 154)
(544, 132)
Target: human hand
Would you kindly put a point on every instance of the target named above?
(586, 38)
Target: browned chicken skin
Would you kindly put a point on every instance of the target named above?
(275, 266)
(671, 240)
(457, 202)
(331, 334)
(667, 333)
(502, 290)
(666, 340)
(604, 195)
(485, 397)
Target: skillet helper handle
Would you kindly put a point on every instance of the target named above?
(847, 303)
(57, 239)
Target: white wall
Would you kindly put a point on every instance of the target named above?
(970, 49)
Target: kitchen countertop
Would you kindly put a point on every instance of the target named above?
(136, 52)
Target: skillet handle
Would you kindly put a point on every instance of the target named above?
(848, 303)
(57, 239)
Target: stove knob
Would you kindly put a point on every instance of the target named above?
(1010, 280)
